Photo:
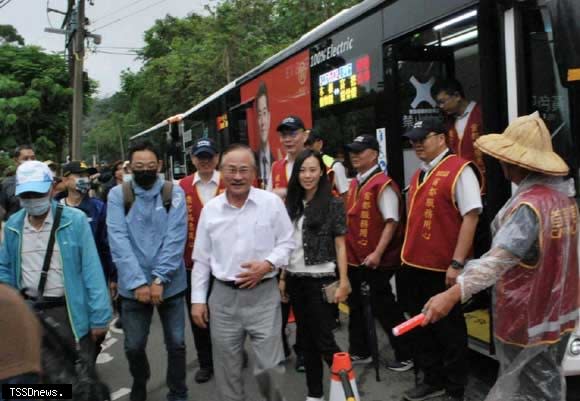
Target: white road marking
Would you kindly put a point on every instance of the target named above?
(113, 328)
(104, 357)
(123, 391)
(108, 343)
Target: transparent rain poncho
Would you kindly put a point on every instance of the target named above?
(527, 372)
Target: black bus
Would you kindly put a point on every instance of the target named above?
(371, 69)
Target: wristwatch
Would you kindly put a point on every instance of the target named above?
(157, 281)
(457, 265)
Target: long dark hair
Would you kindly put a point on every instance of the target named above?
(317, 209)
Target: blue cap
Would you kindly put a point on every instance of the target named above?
(204, 145)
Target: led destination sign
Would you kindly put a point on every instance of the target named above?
(344, 83)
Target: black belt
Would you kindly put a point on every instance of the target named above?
(236, 286)
(47, 302)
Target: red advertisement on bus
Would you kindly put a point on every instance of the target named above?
(276, 94)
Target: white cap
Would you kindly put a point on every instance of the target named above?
(33, 176)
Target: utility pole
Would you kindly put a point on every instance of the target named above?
(75, 34)
(78, 54)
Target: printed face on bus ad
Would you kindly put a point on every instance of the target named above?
(284, 90)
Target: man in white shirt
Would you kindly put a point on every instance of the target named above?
(200, 187)
(243, 237)
(264, 155)
(463, 122)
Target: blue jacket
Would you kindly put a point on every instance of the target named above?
(86, 293)
(148, 241)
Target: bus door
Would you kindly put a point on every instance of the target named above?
(411, 73)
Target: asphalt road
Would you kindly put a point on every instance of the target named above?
(114, 370)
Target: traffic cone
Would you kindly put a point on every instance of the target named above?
(342, 382)
(291, 317)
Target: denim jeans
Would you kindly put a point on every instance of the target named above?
(136, 318)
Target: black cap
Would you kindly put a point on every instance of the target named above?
(204, 145)
(422, 128)
(77, 167)
(363, 142)
(290, 123)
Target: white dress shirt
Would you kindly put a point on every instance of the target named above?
(467, 190)
(207, 190)
(388, 199)
(34, 244)
(228, 236)
(461, 121)
(340, 179)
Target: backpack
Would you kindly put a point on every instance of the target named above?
(129, 195)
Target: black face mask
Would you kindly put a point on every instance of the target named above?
(145, 178)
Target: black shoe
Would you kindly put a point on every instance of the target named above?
(300, 363)
(423, 391)
(138, 391)
(203, 375)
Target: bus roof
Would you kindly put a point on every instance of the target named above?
(327, 27)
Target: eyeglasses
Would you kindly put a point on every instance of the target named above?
(422, 140)
(231, 171)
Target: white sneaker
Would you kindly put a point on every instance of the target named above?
(314, 399)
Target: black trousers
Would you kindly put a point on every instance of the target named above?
(50, 357)
(201, 337)
(385, 309)
(440, 348)
(314, 322)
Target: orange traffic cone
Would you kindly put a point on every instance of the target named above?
(342, 382)
(291, 317)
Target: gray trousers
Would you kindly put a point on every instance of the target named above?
(234, 315)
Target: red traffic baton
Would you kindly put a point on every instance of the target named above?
(409, 325)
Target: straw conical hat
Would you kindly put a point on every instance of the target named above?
(527, 143)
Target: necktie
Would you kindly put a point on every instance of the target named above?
(264, 170)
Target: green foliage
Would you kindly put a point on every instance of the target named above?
(8, 34)
(34, 99)
(187, 59)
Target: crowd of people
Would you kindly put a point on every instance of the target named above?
(239, 258)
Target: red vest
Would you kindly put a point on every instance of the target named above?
(464, 147)
(434, 221)
(279, 178)
(365, 222)
(537, 304)
(194, 206)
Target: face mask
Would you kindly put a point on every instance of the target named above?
(36, 207)
(127, 177)
(145, 178)
(83, 185)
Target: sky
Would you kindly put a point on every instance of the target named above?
(30, 17)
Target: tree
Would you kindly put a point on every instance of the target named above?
(187, 59)
(9, 35)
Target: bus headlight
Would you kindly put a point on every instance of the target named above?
(575, 347)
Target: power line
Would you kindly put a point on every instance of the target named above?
(129, 15)
(5, 3)
(114, 53)
(116, 11)
(47, 14)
